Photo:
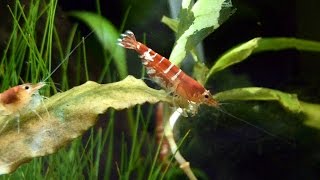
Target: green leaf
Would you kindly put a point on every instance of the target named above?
(107, 35)
(288, 101)
(196, 22)
(280, 43)
(312, 112)
(171, 23)
(241, 52)
(65, 116)
(234, 56)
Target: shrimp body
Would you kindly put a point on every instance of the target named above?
(18, 98)
(168, 75)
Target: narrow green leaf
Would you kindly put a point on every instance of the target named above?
(107, 35)
(312, 112)
(65, 116)
(288, 101)
(234, 56)
(171, 23)
(280, 43)
(196, 22)
(241, 52)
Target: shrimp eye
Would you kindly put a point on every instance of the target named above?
(206, 96)
(26, 87)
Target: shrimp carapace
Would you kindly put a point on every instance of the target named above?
(17, 98)
(168, 75)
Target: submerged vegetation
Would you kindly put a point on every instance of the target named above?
(122, 143)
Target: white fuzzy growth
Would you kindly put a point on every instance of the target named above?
(36, 100)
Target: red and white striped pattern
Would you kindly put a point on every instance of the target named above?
(166, 74)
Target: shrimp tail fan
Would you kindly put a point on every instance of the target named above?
(128, 40)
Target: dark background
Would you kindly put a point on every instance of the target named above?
(287, 70)
(223, 149)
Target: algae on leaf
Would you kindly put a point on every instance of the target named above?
(66, 116)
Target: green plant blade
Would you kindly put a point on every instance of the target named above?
(241, 52)
(171, 23)
(196, 23)
(107, 35)
(66, 116)
(312, 112)
(288, 101)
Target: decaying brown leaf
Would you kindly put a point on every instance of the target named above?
(65, 116)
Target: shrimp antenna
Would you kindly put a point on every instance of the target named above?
(21, 80)
(66, 58)
(257, 127)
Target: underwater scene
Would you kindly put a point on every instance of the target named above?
(177, 89)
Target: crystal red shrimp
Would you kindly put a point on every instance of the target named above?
(173, 79)
(167, 75)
